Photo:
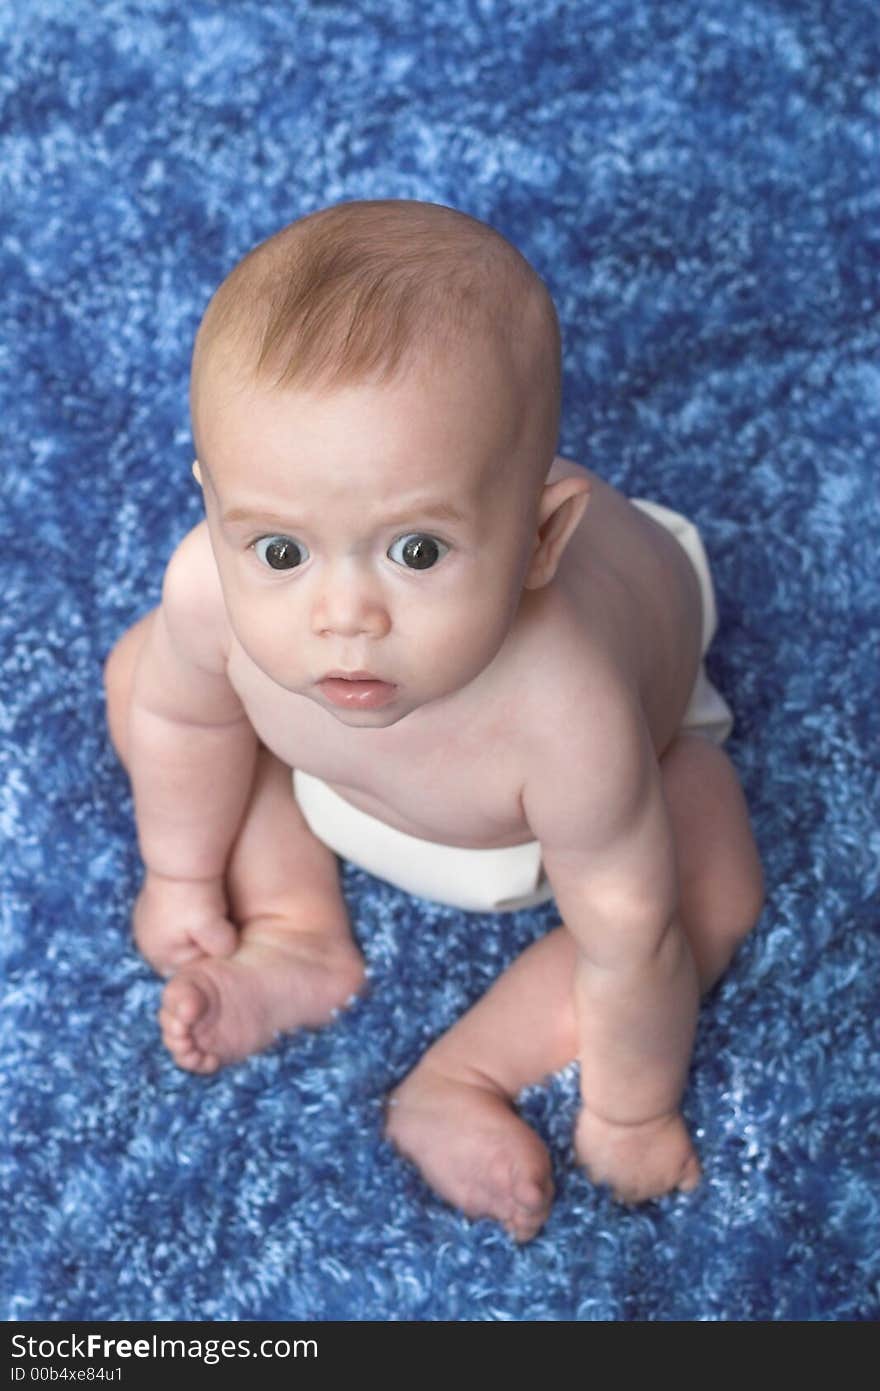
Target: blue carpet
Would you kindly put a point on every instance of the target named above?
(697, 181)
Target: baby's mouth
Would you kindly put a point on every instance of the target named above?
(356, 690)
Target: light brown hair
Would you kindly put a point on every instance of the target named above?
(355, 291)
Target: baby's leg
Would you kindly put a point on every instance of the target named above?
(453, 1115)
(295, 961)
(720, 880)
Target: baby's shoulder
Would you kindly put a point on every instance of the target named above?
(584, 749)
(193, 603)
(577, 692)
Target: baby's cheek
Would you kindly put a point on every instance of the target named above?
(470, 638)
(265, 636)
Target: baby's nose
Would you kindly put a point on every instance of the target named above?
(349, 603)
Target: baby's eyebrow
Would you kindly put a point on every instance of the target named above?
(438, 510)
(244, 514)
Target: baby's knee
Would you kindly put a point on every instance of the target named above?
(119, 678)
(745, 903)
(754, 893)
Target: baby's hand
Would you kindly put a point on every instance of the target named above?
(638, 1161)
(178, 920)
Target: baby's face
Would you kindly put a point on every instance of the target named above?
(370, 529)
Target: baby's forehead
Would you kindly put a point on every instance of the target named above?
(469, 409)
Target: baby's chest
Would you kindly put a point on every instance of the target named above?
(456, 779)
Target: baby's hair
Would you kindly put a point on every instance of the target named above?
(353, 292)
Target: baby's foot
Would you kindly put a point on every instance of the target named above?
(220, 1010)
(473, 1149)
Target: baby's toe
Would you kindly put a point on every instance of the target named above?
(187, 999)
(518, 1193)
(187, 1006)
(185, 1049)
(691, 1175)
(203, 1063)
(532, 1195)
(523, 1227)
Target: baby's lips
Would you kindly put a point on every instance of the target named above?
(350, 692)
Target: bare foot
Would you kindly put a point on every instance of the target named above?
(473, 1149)
(219, 1010)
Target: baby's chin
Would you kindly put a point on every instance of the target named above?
(382, 717)
(367, 719)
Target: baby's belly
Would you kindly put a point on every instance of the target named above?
(444, 819)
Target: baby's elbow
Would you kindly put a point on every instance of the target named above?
(622, 929)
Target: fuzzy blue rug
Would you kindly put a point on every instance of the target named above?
(697, 181)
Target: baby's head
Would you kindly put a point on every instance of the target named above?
(375, 398)
(366, 292)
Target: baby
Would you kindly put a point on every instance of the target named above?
(485, 666)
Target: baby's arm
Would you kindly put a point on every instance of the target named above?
(597, 808)
(191, 753)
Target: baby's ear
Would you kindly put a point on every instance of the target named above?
(560, 508)
(197, 472)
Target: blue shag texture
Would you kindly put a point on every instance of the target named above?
(697, 181)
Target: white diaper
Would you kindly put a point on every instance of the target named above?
(499, 881)
(707, 712)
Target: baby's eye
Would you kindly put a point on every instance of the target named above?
(417, 551)
(280, 552)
